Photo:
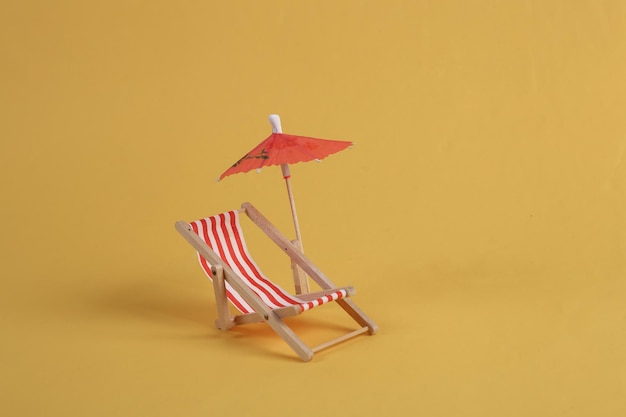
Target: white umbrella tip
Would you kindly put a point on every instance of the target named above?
(275, 122)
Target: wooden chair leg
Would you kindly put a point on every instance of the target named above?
(224, 320)
(270, 317)
(359, 316)
(304, 352)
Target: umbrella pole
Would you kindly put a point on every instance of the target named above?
(300, 278)
(294, 214)
(292, 202)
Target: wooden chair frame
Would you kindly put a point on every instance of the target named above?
(222, 272)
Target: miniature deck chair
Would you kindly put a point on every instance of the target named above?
(236, 277)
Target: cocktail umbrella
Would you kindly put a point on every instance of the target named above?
(283, 149)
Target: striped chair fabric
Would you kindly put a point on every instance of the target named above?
(223, 234)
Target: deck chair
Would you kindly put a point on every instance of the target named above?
(225, 259)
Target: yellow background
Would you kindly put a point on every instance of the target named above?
(481, 214)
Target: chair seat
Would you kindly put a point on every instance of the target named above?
(224, 235)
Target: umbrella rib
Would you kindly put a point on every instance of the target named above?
(263, 163)
(306, 151)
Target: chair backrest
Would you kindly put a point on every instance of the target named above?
(223, 234)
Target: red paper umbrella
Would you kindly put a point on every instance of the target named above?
(282, 149)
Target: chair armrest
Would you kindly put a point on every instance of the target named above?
(310, 296)
(285, 244)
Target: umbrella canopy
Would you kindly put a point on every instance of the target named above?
(280, 148)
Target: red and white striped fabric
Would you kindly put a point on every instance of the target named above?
(223, 234)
